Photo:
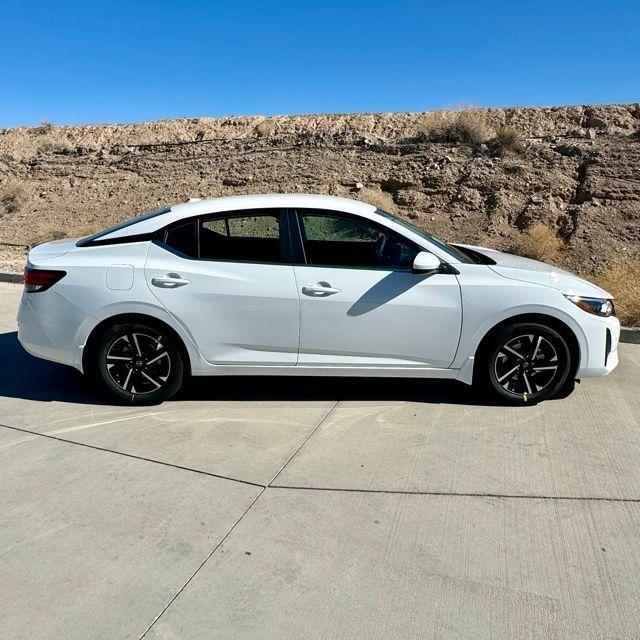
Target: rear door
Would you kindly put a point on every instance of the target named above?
(360, 303)
(228, 278)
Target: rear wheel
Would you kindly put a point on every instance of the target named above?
(138, 363)
(527, 362)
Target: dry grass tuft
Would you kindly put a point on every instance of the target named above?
(265, 128)
(45, 126)
(539, 242)
(622, 280)
(379, 199)
(51, 146)
(11, 197)
(431, 125)
(468, 126)
(508, 140)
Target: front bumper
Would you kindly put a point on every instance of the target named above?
(601, 357)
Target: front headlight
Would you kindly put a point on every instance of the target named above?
(596, 306)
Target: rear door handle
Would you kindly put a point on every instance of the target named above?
(170, 281)
(319, 290)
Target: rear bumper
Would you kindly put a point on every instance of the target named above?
(48, 327)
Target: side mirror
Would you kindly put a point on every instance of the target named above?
(426, 262)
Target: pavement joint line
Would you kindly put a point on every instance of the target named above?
(135, 457)
(452, 494)
(193, 575)
(264, 489)
(270, 485)
(295, 453)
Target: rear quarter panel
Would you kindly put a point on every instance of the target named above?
(101, 282)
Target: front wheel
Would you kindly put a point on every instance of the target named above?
(526, 362)
(138, 364)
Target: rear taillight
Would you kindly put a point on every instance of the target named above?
(36, 280)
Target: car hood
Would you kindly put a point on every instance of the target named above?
(526, 270)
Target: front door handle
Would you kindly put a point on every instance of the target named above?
(319, 290)
(170, 281)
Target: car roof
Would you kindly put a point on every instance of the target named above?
(275, 200)
(145, 225)
(152, 223)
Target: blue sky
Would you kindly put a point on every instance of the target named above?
(92, 61)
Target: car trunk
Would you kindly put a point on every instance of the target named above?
(55, 249)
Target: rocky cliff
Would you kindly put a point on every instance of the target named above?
(481, 177)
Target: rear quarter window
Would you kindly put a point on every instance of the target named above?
(183, 238)
(84, 242)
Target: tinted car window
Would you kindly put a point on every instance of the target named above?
(183, 238)
(450, 249)
(250, 238)
(123, 225)
(334, 240)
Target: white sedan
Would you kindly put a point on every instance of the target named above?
(307, 285)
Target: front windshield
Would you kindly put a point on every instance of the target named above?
(441, 244)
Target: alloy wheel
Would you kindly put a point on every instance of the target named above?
(138, 363)
(526, 365)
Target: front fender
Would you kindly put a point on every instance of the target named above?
(470, 342)
(489, 299)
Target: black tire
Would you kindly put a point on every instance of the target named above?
(137, 364)
(525, 363)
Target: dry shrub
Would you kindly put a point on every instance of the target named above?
(431, 125)
(539, 242)
(508, 139)
(468, 126)
(44, 127)
(264, 128)
(11, 197)
(51, 146)
(379, 199)
(622, 280)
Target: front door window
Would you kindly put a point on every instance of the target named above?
(336, 241)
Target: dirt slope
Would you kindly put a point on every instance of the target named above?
(574, 168)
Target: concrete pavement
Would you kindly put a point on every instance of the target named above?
(284, 508)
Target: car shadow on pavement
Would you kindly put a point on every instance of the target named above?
(297, 388)
(24, 376)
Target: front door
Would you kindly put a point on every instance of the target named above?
(360, 304)
(224, 277)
